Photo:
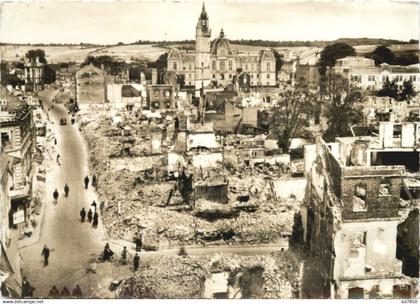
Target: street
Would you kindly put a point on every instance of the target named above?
(72, 243)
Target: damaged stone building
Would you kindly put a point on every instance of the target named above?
(17, 141)
(360, 217)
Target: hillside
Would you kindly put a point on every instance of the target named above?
(150, 52)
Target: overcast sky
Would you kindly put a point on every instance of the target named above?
(111, 21)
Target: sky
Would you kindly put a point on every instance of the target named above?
(109, 22)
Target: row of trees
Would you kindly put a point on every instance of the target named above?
(342, 109)
(383, 54)
(393, 90)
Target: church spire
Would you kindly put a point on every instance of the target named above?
(203, 12)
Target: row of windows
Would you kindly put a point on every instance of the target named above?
(230, 76)
(222, 66)
(358, 78)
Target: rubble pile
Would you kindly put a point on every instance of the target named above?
(137, 193)
(184, 276)
(165, 277)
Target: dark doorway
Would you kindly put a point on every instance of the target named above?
(356, 293)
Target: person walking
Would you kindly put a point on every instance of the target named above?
(94, 181)
(65, 293)
(93, 206)
(90, 215)
(86, 182)
(107, 253)
(77, 292)
(27, 289)
(124, 256)
(136, 262)
(46, 253)
(54, 293)
(95, 220)
(55, 141)
(82, 215)
(66, 190)
(58, 159)
(55, 195)
(138, 240)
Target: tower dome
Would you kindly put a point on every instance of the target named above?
(221, 42)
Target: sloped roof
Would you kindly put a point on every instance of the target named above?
(93, 68)
(14, 104)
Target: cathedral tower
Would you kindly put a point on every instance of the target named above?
(202, 51)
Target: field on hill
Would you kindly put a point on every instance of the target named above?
(55, 54)
(128, 52)
(396, 48)
(149, 52)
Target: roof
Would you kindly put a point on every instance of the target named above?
(221, 42)
(400, 68)
(14, 104)
(91, 68)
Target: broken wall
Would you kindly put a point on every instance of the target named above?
(371, 192)
(366, 249)
(387, 288)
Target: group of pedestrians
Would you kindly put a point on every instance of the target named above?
(66, 193)
(92, 215)
(108, 253)
(94, 182)
(65, 293)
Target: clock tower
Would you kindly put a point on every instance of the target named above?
(202, 51)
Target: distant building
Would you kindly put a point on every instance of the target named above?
(287, 71)
(34, 72)
(363, 72)
(307, 75)
(218, 63)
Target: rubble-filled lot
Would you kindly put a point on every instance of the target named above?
(273, 276)
(136, 193)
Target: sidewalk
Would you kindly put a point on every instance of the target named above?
(39, 189)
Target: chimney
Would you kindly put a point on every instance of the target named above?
(154, 76)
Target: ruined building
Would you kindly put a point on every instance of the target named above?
(360, 217)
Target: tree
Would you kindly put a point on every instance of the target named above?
(382, 54)
(161, 63)
(407, 91)
(49, 75)
(331, 53)
(290, 115)
(389, 89)
(343, 108)
(180, 79)
(33, 54)
(279, 59)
